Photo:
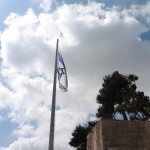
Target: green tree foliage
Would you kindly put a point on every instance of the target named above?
(137, 107)
(118, 95)
(79, 135)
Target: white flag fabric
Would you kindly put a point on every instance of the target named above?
(62, 73)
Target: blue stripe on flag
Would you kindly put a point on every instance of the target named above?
(62, 73)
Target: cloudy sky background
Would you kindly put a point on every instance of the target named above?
(96, 38)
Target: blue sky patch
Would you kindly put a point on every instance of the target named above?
(124, 3)
(15, 6)
(6, 128)
(145, 36)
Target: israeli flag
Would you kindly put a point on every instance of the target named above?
(62, 73)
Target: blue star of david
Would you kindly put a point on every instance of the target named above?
(61, 71)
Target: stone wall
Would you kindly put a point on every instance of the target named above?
(119, 135)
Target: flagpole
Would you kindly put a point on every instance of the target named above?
(52, 123)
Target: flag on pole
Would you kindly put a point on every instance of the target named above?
(62, 73)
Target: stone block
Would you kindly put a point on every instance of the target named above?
(119, 135)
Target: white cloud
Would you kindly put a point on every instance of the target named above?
(95, 41)
(24, 131)
(27, 144)
(45, 4)
(145, 12)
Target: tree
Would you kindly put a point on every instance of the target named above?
(118, 95)
(79, 135)
(137, 107)
(114, 89)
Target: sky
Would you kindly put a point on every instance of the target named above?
(96, 38)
